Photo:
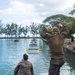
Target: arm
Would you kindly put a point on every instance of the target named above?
(44, 30)
(44, 36)
(32, 72)
(16, 69)
(44, 40)
(65, 31)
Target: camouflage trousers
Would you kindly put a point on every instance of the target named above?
(54, 68)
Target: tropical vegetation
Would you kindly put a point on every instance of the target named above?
(16, 30)
(54, 20)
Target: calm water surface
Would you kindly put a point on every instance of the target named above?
(11, 53)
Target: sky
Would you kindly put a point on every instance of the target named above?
(26, 12)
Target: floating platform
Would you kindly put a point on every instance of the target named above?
(33, 51)
(33, 48)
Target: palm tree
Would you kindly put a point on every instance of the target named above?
(25, 30)
(20, 30)
(1, 27)
(33, 30)
(7, 29)
(16, 30)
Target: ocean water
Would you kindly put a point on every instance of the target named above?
(11, 54)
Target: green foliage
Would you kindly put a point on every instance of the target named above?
(50, 31)
(72, 11)
(56, 19)
(71, 26)
(64, 20)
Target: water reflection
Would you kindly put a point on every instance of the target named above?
(11, 53)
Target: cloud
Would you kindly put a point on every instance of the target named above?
(19, 8)
(26, 11)
(65, 5)
(35, 10)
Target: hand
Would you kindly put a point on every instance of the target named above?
(60, 25)
(49, 27)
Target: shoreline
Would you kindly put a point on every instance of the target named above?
(18, 37)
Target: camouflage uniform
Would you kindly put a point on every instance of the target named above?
(24, 68)
(55, 43)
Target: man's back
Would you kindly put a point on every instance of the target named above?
(56, 42)
(25, 68)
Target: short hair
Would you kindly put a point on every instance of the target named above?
(25, 57)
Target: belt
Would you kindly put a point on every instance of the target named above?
(56, 58)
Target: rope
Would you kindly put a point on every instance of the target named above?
(8, 72)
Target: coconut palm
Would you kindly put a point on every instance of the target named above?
(33, 29)
(1, 27)
(20, 30)
(7, 30)
(15, 30)
(25, 30)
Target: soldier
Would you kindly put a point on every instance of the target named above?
(24, 67)
(72, 38)
(55, 41)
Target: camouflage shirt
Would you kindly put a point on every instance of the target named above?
(56, 42)
(24, 68)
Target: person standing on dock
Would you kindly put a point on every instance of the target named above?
(72, 38)
(55, 41)
(24, 67)
(72, 41)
